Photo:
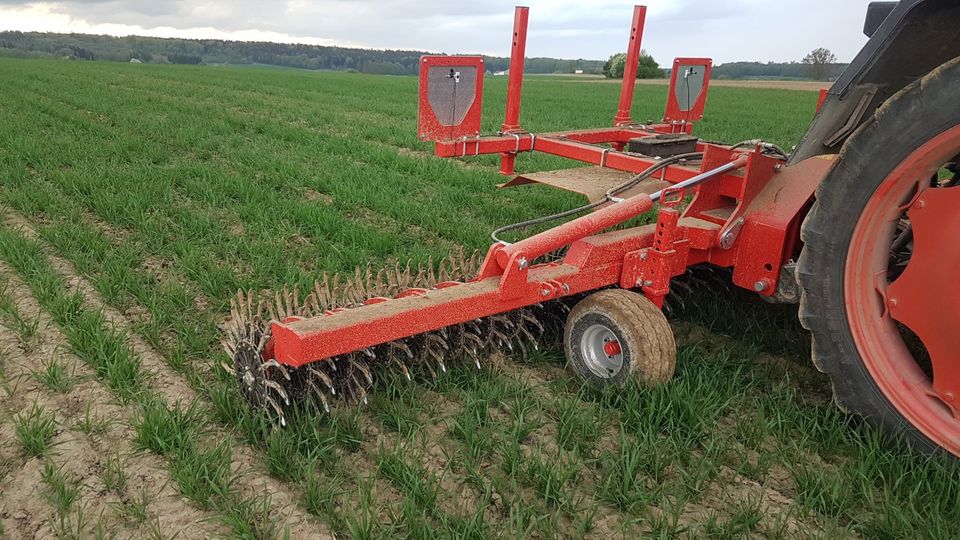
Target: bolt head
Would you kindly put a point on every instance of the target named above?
(760, 286)
(643, 256)
(523, 263)
(648, 283)
(892, 302)
(920, 204)
(949, 396)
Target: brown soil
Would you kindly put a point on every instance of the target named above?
(812, 86)
(314, 195)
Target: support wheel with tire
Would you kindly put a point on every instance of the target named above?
(615, 335)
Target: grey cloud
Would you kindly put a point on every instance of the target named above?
(724, 29)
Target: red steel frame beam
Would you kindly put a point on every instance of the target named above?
(630, 70)
(577, 145)
(518, 50)
(764, 199)
(507, 281)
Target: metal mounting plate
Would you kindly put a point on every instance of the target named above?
(451, 91)
(688, 90)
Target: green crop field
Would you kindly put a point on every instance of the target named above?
(138, 198)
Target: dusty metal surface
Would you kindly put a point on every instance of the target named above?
(591, 182)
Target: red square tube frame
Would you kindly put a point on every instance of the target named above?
(745, 218)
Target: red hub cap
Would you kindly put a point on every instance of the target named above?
(612, 348)
(902, 290)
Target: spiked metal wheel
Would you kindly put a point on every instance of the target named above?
(261, 382)
(347, 378)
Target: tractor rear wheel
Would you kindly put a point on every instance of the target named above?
(878, 268)
(614, 335)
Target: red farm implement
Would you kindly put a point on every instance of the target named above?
(858, 224)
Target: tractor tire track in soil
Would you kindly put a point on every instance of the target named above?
(24, 509)
(174, 390)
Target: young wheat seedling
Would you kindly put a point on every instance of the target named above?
(35, 430)
(62, 488)
(92, 425)
(55, 377)
(135, 508)
(114, 473)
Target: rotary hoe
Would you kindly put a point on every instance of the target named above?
(859, 224)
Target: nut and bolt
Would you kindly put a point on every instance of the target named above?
(643, 256)
(523, 263)
(648, 283)
(726, 241)
(760, 285)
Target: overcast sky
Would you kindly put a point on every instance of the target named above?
(726, 30)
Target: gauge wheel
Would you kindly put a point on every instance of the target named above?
(615, 335)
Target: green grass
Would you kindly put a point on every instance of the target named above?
(35, 430)
(62, 489)
(55, 377)
(169, 187)
(10, 315)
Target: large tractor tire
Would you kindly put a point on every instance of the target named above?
(879, 268)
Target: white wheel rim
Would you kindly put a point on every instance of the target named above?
(595, 350)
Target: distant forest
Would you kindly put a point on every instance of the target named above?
(215, 51)
(388, 62)
(771, 70)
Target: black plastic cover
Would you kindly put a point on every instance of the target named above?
(663, 145)
(877, 12)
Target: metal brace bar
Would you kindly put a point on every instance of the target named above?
(603, 156)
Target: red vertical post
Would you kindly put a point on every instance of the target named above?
(515, 84)
(630, 70)
(824, 92)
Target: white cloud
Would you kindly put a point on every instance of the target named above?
(726, 30)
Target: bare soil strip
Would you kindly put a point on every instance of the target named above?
(173, 389)
(23, 508)
(811, 86)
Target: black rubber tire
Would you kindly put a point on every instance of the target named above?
(646, 339)
(905, 122)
